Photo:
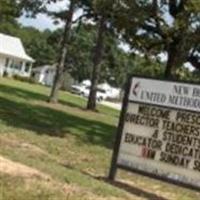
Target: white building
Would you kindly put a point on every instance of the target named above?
(44, 74)
(13, 58)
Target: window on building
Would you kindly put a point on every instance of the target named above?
(17, 65)
(20, 65)
(12, 64)
(7, 62)
(27, 67)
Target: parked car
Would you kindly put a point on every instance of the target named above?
(101, 94)
(78, 89)
(85, 91)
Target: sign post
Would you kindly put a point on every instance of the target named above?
(113, 168)
(159, 132)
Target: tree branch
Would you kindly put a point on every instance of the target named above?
(175, 8)
(80, 18)
(194, 60)
(154, 29)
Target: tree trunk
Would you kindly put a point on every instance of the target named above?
(62, 57)
(91, 105)
(170, 62)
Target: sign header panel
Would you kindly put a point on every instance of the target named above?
(165, 93)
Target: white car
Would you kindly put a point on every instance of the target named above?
(101, 94)
(78, 89)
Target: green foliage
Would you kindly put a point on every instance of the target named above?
(9, 10)
(68, 82)
(115, 65)
(12, 9)
(196, 76)
(23, 79)
(146, 67)
(38, 46)
(79, 52)
(145, 26)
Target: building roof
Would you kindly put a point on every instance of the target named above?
(44, 68)
(12, 46)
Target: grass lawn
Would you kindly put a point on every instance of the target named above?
(65, 150)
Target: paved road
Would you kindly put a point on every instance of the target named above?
(116, 106)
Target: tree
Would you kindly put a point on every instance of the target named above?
(79, 52)
(38, 45)
(196, 76)
(162, 26)
(97, 58)
(68, 16)
(115, 62)
(9, 10)
(101, 12)
(12, 9)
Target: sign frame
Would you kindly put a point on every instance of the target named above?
(114, 165)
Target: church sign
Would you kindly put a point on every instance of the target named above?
(159, 131)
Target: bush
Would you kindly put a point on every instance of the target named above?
(68, 82)
(5, 74)
(24, 79)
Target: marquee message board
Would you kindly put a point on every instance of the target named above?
(159, 131)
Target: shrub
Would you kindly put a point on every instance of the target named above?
(24, 79)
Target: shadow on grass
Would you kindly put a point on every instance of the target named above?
(31, 95)
(126, 187)
(71, 100)
(22, 93)
(52, 122)
(135, 190)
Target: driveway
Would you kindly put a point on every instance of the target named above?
(116, 106)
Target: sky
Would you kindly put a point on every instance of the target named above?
(42, 21)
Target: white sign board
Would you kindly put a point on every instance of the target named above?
(161, 131)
